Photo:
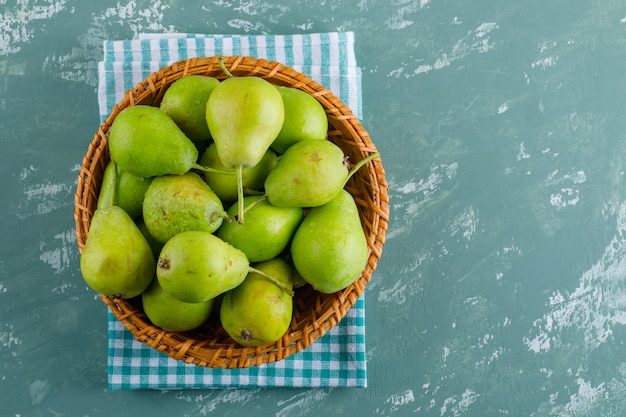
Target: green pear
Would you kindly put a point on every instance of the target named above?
(196, 266)
(259, 312)
(185, 102)
(310, 173)
(116, 260)
(329, 249)
(107, 196)
(225, 184)
(171, 314)
(124, 189)
(177, 203)
(244, 115)
(267, 231)
(147, 142)
(155, 245)
(305, 118)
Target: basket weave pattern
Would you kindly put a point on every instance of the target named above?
(314, 313)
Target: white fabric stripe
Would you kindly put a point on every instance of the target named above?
(316, 50)
(298, 55)
(335, 48)
(137, 76)
(227, 46)
(351, 57)
(173, 49)
(279, 49)
(209, 46)
(245, 46)
(102, 92)
(137, 54)
(335, 81)
(155, 50)
(118, 51)
(261, 48)
(118, 85)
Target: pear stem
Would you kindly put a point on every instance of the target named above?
(359, 164)
(250, 191)
(224, 215)
(274, 281)
(254, 203)
(214, 170)
(257, 201)
(240, 205)
(220, 61)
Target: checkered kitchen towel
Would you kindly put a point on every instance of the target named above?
(335, 360)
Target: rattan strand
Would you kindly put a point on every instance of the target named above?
(314, 313)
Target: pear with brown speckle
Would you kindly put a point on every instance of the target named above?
(310, 173)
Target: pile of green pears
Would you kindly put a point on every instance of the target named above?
(224, 199)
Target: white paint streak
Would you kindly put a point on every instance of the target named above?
(474, 300)
(546, 60)
(565, 196)
(396, 401)
(545, 63)
(446, 353)
(458, 405)
(399, 19)
(8, 338)
(466, 223)
(513, 249)
(577, 177)
(402, 291)
(400, 399)
(245, 25)
(260, 8)
(59, 258)
(46, 197)
(484, 29)
(15, 22)
(394, 295)
(26, 172)
(206, 404)
(63, 288)
(594, 308)
(426, 188)
(300, 404)
(522, 154)
(583, 401)
(475, 41)
(420, 193)
(80, 63)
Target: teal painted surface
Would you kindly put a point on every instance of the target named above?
(502, 286)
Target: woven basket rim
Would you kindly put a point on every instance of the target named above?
(368, 187)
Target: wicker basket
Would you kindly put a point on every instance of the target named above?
(314, 313)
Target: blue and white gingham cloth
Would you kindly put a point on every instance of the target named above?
(336, 360)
